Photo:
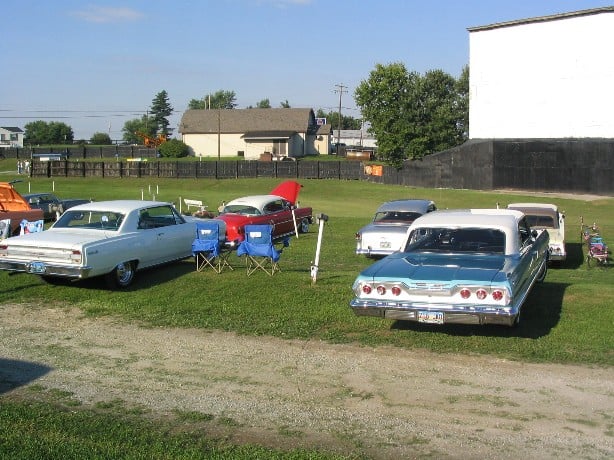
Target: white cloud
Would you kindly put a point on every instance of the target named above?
(101, 14)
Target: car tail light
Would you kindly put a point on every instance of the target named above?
(381, 290)
(465, 293)
(366, 288)
(497, 295)
(396, 291)
(4, 249)
(481, 294)
(75, 256)
(358, 236)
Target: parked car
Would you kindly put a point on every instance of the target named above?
(460, 266)
(279, 208)
(15, 208)
(113, 239)
(542, 216)
(51, 205)
(386, 233)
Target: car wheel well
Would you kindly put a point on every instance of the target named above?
(122, 275)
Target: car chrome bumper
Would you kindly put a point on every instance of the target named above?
(374, 253)
(50, 269)
(451, 314)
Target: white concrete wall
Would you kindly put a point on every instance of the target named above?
(552, 79)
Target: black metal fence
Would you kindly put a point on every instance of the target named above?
(573, 165)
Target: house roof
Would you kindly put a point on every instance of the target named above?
(13, 129)
(552, 17)
(201, 121)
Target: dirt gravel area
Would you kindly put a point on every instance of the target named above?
(383, 402)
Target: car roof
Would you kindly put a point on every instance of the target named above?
(520, 206)
(257, 201)
(501, 218)
(411, 205)
(123, 206)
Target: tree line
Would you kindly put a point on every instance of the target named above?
(410, 114)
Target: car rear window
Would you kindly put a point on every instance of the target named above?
(463, 240)
(97, 220)
(396, 217)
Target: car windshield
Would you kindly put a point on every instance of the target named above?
(456, 240)
(391, 217)
(97, 220)
(241, 209)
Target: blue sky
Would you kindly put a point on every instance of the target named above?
(95, 65)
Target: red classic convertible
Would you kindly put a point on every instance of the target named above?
(279, 209)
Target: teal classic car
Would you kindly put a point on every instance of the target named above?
(474, 266)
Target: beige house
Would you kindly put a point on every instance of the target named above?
(254, 133)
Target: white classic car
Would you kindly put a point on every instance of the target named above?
(542, 216)
(472, 266)
(386, 233)
(113, 239)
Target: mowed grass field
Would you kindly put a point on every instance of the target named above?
(568, 319)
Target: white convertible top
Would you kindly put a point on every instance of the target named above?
(552, 207)
(471, 218)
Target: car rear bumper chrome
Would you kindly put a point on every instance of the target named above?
(448, 314)
(45, 269)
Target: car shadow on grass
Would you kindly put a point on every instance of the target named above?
(540, 313)
(575, 257)
(144, 278)
(15, 373)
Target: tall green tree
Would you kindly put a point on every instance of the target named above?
(411, 115)
(42, 132)
(160, 110)
(221, 99)
(145, 125)
(101, 139)
(462, 106)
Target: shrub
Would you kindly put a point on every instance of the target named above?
(174, 148)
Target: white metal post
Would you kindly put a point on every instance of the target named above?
(314, 266)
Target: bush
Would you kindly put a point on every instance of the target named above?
(174, 148)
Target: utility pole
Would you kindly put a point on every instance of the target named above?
(341, 88)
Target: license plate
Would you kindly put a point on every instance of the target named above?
(430, 317)
(36, 267)
(384, 244)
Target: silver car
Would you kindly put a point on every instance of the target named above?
(386, 233)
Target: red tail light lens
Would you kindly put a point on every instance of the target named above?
(381, 290)
(497, 295)
(465, 293)
(396, 290)
(481, 294)
(366, 289)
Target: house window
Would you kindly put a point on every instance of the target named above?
(14, 137)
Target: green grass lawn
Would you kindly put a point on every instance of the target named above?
(568, 319)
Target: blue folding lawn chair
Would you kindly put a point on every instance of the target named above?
(259, 251)
(208, 249)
